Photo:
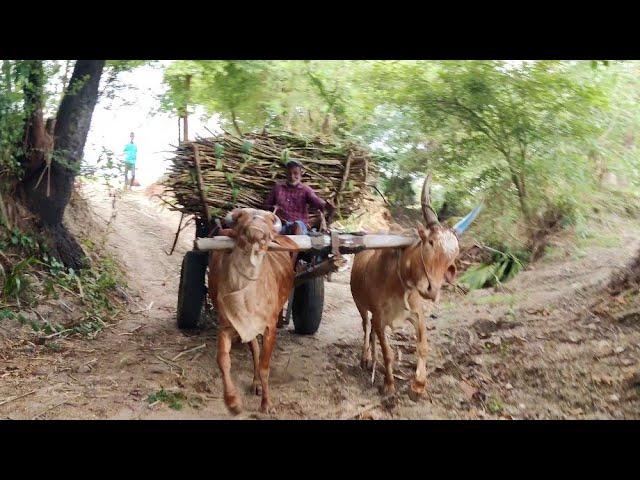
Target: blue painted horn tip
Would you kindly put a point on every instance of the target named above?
(464, 223)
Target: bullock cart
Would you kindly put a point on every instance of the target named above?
(209, 177)
(320, 254)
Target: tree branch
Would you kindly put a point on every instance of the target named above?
(480, 123)
(235, 123)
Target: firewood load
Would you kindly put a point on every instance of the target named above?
(226, 172)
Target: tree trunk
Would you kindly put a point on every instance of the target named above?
(326, 124)
(6, 73)
(522, 198)
(65, 79)
(185, 127)
(235, 123)
(34, 139)
(518, 181)
(71, 128)
(185, 112)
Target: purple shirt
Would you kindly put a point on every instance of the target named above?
(293, 202)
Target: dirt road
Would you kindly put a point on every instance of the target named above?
(134, 370)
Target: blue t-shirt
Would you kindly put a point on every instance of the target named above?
(130, 153)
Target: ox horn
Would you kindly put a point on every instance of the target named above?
(464, 223)
(277, 225)
(425, 200)
(232, 216)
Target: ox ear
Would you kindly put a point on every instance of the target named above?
(450, 274)
(423, 232)
(277, 224)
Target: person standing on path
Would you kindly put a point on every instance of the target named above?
(130, 157)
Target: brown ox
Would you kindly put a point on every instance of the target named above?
(391, 284)
(249, 286)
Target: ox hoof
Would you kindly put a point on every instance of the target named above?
(417, 387)
(389, 389)
(366, 363)
(255, 388)
(234, 404)
(417, 390)
(267, 407)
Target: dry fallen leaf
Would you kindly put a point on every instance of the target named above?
(604, 379)
(468, 390)
(620, 299)
(368, 416)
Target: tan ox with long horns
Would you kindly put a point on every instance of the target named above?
(249, 286)
(391, 284)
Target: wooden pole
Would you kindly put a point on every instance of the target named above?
(323, 268)
(185, 111)
(185, 124)
(343, 182)
(348, 243)
(205, 207)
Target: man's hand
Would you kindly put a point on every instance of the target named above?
(331, 210)
(323, 223)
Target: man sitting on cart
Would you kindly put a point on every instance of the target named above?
(290, 201)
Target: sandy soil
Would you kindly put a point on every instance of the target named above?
(530, 350)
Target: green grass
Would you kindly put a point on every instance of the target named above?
(504, 349)
(552, 254)
(5, 313)
(578, 254)
(94, 286)
(53, 346)
(173, 400)
(599, 240)
(497, 299)
(494, 405)
(37, 273)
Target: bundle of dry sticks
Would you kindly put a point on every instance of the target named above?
(226, 172)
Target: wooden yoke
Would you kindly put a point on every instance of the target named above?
(346, 243)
